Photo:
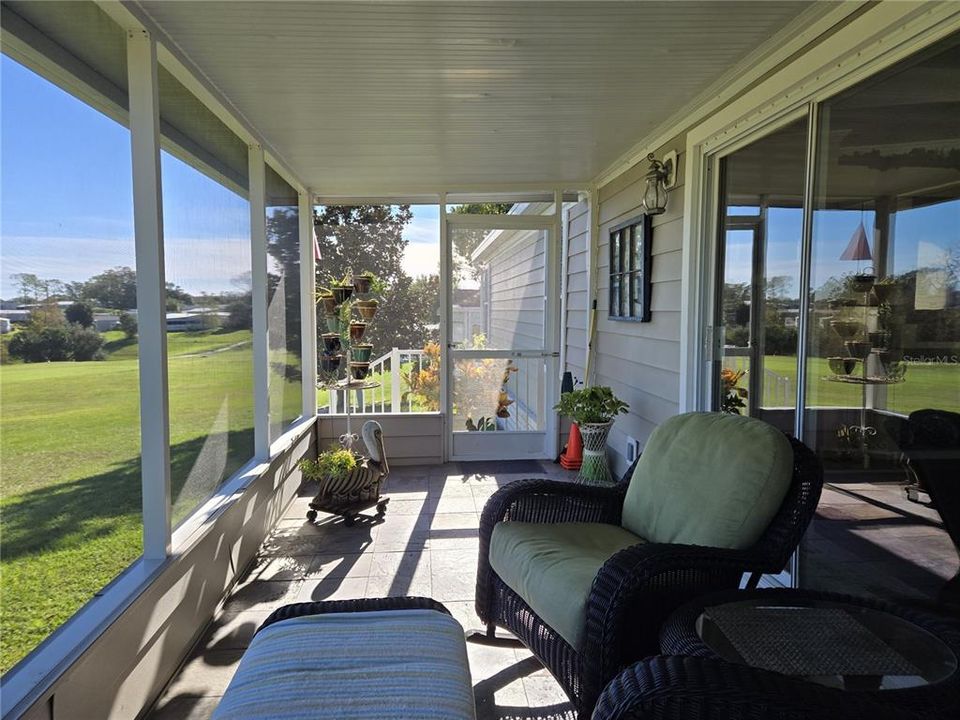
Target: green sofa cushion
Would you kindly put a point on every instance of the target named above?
(552, 567)
(709, 479)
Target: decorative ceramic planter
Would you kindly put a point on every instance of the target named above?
(842, 365)
(595, 470)
(858, 349)
(361, 352)
(361, 283)
(329, 362)
(862, 282)
(356, 331)
(329, 303)
(879, 339)
(846, 329)
(333, 323)
(342, 293)
(331, 342)
(367, 308)
(359, 370)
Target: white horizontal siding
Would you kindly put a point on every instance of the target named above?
(408, 439)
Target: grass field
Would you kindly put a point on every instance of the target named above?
(924, 386)
(70, 467)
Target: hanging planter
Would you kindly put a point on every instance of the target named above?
(367, 308)
(846, 329)
(357, 328)
(333, 322)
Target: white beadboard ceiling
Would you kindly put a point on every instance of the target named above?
(365, 98)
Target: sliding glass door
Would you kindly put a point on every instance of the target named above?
(837, 292)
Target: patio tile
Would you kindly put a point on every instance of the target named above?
(455, 504)
(233, 631)
(398, 563)
(419, 584)
(331, 588)
(278, 568)
(257, 595)
(454, 574)
(415, 541)
(185, 708)
(205, 674)
(497, 677)
(337, 565)
(456, 521)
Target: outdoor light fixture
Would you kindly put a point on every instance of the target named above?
(660, 178)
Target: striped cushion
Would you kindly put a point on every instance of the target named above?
(383, 664)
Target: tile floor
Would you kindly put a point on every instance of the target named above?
(865, 539)
(426, 545)
(868, 539)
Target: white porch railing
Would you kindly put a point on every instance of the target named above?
(389, 370)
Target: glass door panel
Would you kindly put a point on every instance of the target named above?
(883, 338)
(761, 223)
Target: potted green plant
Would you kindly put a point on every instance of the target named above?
(325, 296)
(342, 289)
(593, 409)
(333, 464)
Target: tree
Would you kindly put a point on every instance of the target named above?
(177, 297)
(370, 237)
(115, 288)
(466, 240)
(34, 289)
(128, 323)
(283, 245)
(84, 343)
(80, 313)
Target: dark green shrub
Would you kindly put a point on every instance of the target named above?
(85, 343)
(80, 313)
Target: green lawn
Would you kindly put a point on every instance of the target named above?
(924, 386)
(70, 468)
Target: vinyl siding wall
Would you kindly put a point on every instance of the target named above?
(640, 361)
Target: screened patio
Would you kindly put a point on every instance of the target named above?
(196, 176)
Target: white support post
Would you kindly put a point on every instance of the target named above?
(308, 306)
(395, 380)
(151, 293)
(446, 301)
(261, 346)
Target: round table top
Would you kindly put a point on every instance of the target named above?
(833, 640)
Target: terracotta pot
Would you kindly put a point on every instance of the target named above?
(331, 342)
(359, 370)
(356, 331)
(361, 352)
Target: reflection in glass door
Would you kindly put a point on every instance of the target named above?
(503, 365)
(761, 222)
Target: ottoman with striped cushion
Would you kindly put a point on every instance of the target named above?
(390, 658)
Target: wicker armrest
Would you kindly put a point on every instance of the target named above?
(676, 688)
(346, 606)
(639, 587)
(552, 501)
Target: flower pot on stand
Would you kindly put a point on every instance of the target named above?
(329, 304)
(361, 283)
(356, 331)
(341, 293)
(595, 470)
(367, 308)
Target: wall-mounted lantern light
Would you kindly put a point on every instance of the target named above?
(660, 178)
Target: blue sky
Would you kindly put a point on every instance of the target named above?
(66, 201)
(66, 207)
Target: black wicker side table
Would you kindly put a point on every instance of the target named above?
(902, 657)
